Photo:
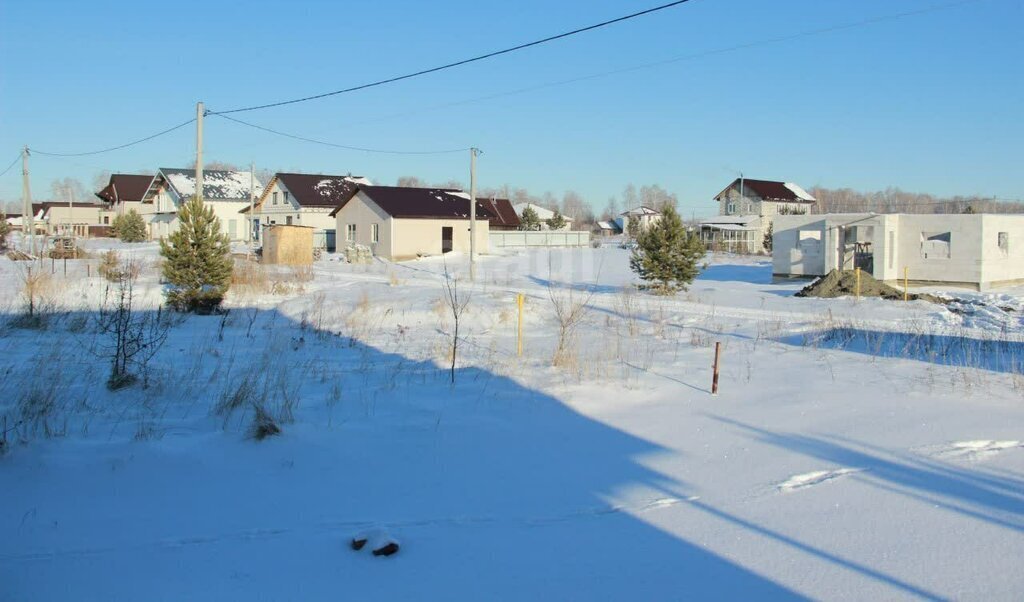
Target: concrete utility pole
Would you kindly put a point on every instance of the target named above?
(252, 198)
(27, 219)
(71, 209)
(472, 212)
(200, 113)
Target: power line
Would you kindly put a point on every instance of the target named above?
(331, 144)
(13, 163)
(119, 147)
(458, 63)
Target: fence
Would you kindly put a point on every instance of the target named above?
(539, 238)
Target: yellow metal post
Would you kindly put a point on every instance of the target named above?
(906, 283)
(857, 272)
(519, 333)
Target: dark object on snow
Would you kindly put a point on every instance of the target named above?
(844, 284)
(388, 550)
(357, 544)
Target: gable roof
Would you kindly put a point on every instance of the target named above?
(770, 190)
(504, 213)
(315, 190)
(423, 203)
(641, 210)
(218, 184)
(542, 213)
(125, 187)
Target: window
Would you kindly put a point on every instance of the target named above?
(285, 196)
(274, 197)
(350, 232)
(1004, 242)
(106, 220)
(288, 220)
(935, 245)
(809, 241)
(730, 208)
(233, 228)
(375, 233)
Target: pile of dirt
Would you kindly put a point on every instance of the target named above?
(844, 284)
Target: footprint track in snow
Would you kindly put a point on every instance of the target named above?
(817, 477)
(974, 450)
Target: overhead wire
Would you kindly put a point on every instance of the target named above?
(13, 163)
(114, 148)
(474, 59)
(343, 146)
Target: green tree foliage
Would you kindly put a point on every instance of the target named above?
(529, 220)
(556, 222)
(5, 229)
(129, 227)
(768, 237)
(667, 257)
(633, 226)
(197, 260)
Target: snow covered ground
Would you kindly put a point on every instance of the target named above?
(819, 471)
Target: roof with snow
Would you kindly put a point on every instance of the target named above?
(609, 225)
(542, 213)
(641, 210)
(423, 203)
(769, 190)
(125, 187)
(316, 190)
(218, 184)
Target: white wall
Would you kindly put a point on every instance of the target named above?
(413, 237)
(363, 212)
(999, 265)
(521, 238)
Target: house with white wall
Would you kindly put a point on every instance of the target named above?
(399, 223)
(980, 251)
(543, 214)
(226, 191)
(644, 216)
(747, 209)
(302, 200)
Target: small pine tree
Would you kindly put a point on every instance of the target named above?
(197, 260)
(768, 238)
(129, 227)
(633, 226)
(529, 219)
(556, 222)
(667, 257)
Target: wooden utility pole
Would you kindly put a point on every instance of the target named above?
(714, 377)
(27, 219)
(472, 212)
(200, 113)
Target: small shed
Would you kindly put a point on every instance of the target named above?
(288, 245)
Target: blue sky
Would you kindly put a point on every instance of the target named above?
(928, 103)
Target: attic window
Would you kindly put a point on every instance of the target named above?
(275, 198)
(935, 245)
(730, 208)
(285, 196)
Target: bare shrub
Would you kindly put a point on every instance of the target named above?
(132, 338)
(37, 302)
(571, 307)
(456, 301)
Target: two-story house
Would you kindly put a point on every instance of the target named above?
(746, 209)
(227, 192)
(302, 200)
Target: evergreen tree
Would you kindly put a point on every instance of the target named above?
(667, 257)
(633, 226)
(556, 222)
(529, 219)
(129, 227)
(767, 242)
(5, 229)
(197, 260)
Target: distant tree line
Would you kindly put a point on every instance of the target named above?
(895, 200)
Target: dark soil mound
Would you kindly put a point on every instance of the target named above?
(844, 284)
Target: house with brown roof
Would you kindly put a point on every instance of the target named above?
(746, 209)
(505, 216)
(400, 223)
(302, 200)
(124, 193)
